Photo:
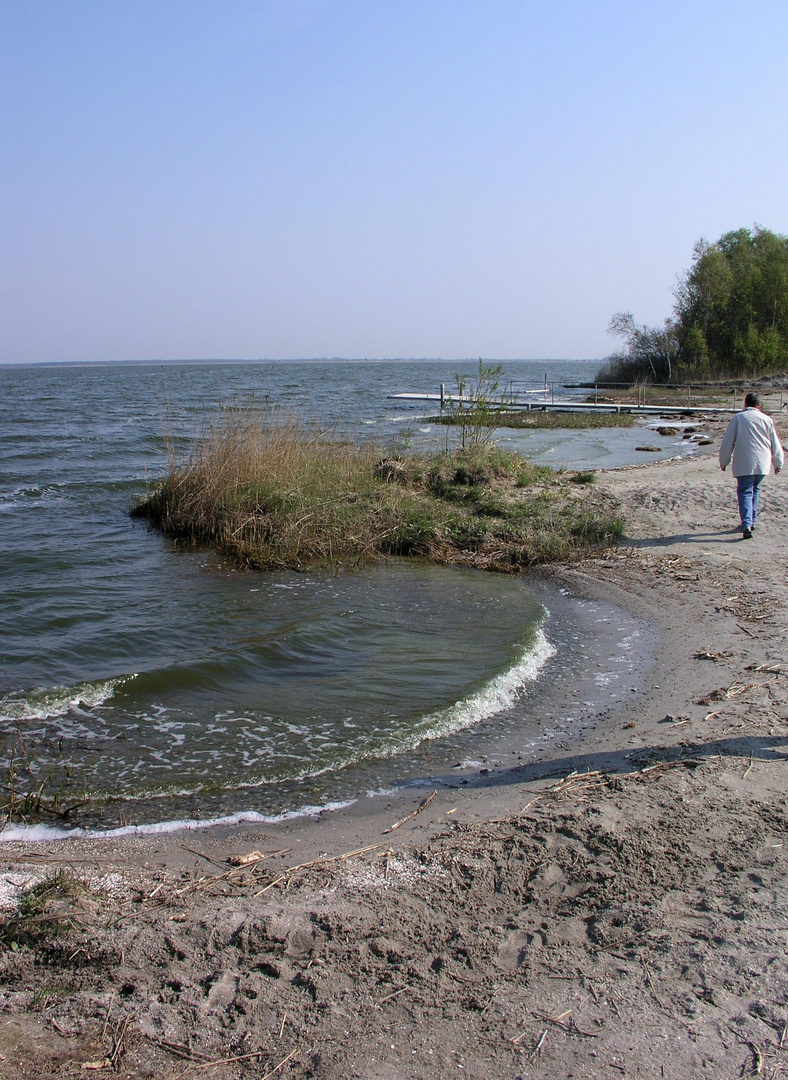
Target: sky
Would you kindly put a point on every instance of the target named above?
(373, 178)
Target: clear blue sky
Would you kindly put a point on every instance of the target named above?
(373, 178)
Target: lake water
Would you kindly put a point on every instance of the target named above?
(154, 684)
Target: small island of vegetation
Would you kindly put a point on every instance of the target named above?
(275, 492)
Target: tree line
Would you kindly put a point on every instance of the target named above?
(730, 318)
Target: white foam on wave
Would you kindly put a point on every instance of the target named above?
(47, 702)
(35, 834)
(499, 694)
(496, 696)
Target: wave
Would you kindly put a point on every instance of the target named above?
(46, 702)
(496, 696)
(35, 834)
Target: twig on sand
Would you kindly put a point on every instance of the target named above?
(506, 820)
(247, 858)
(410, 817)
(658, 999)
(202, 855)
(112, 1060)
(746, 771)
(250, 864)
(566, 1021)
(757, 1058)
(230, 1060)
(388, 997)
(178, 1049)
(736, 689)
(538, 1046)
(576, 777)
(319, 862)
(276, 1068)
(682, 763)
(106, 1018)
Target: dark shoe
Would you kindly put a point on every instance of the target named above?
(746, 534)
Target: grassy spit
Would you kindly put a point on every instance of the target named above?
(273, 491)
(648, 394)
(539, 419)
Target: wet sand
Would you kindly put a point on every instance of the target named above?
(617, 908)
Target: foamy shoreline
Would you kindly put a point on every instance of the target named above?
(559, 688)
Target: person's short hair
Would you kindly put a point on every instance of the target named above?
(752, 401)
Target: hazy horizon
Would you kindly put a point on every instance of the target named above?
(314, 360)
(318, 178)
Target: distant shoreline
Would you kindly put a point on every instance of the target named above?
(278, 360)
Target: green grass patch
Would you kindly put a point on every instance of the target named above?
(45, 912)
(274, 492)
(539, 419)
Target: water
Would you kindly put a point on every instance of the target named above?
(157, 684)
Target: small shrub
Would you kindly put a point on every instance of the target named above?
(477, 405)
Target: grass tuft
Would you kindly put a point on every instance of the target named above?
(44, 912)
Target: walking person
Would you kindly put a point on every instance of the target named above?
(752, 442)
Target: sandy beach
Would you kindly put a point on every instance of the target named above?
(618, 911)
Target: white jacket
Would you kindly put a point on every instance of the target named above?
(753, 442)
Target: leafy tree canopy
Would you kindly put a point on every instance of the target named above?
(730, 318)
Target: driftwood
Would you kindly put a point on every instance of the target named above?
(318, 862)
(736, 689)
(410, 817)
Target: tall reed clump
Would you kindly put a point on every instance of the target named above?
(274, 491)
(270, 489)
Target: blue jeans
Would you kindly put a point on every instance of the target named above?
(748, 489)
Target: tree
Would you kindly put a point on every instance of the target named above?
(730, 316)
(732, 305)
(651, 350)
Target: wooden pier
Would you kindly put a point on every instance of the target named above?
(569, 405)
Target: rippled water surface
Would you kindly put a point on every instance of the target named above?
(133, 669)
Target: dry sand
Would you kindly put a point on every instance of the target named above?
(619, 912)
